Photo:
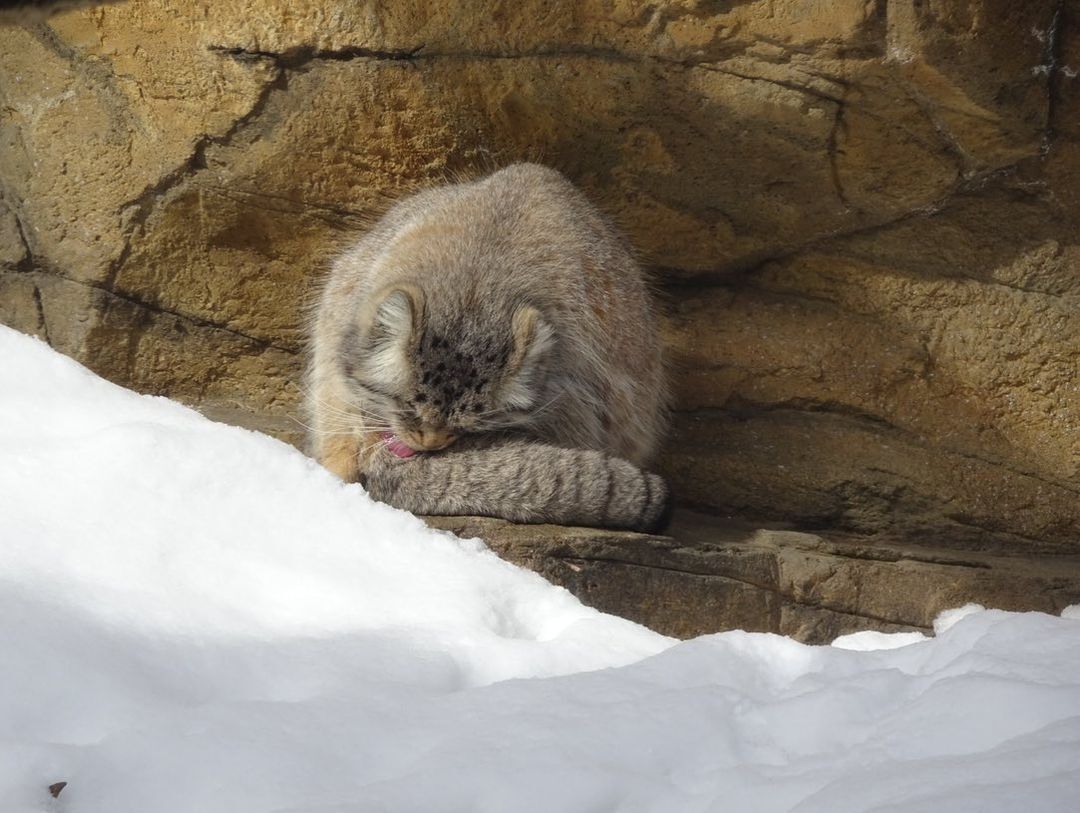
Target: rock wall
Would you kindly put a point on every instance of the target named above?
(862, 216)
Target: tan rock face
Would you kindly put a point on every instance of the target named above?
(863, 217)
(933, 361)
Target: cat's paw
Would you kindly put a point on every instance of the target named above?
(658, 506)
(636, 500)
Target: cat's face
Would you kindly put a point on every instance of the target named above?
(427, 383)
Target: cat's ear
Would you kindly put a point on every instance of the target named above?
(398, 312)
(533, 338)
(395, 316)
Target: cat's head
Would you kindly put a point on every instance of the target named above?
(429, 377)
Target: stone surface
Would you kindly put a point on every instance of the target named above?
(863, 218)
(932, 363)
(716, 575)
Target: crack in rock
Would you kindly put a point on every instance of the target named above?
(950, 145)
(41, 315)
(27, 261)
(766, 588)
(158, 309)
(299, 56)
(749, 77)
(138, 209)
(833, 151)
(1051, 68)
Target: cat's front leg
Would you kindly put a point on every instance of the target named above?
(341, 455)
(349, 454)
(524, 481)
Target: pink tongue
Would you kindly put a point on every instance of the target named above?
(396, 446)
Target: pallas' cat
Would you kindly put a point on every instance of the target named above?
(491, 348)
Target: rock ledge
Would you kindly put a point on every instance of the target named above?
(714, 574)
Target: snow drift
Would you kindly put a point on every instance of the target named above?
(194, 617)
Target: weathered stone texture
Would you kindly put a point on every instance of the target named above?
(863, 217)
(717, 575)
(934, 360)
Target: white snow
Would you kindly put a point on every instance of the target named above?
(195, 617)
(870, 640)
(949, 618)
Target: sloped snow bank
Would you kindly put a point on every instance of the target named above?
(197, 618)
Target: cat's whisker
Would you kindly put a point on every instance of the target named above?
(550, 402)
(354, 419)
(343, 431)
(380, 443)
(314, 430)
(351, 415)
(540, 410)
(353, 408)
(344, 422)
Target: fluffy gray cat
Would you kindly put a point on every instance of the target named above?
(491, 348)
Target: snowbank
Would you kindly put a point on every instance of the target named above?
(197, 618)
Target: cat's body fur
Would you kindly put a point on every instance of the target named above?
(506, 322)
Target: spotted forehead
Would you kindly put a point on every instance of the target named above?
(449, 370)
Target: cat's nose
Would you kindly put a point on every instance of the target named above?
(431, 439)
